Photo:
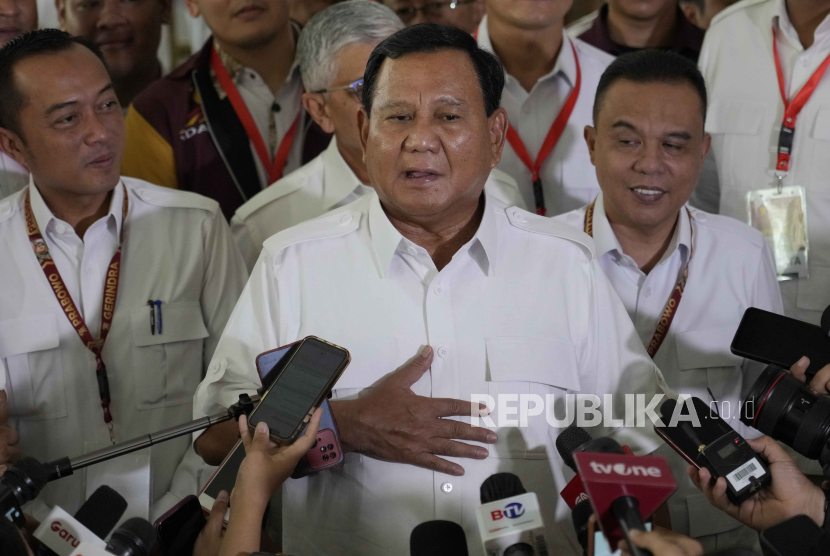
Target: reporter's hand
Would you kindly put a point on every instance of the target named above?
(790, 494)
(392, 423)
(267, 466)
(662, 542)
(209, 540)
(8, 436)
(821, 381)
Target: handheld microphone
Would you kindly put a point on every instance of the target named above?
(624, 490)
(135, 537)
(61, 533)
(21, 484)
(438, 538)
(509, 519)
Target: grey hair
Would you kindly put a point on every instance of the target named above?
(338, 26)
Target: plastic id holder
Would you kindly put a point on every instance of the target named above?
(781, 215)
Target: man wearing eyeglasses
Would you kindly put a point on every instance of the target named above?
(332, 52)
(462, 14)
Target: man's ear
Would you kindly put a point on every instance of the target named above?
(707, 144)
(692, 13)
(60, 6)
(363, 124)
(11, 144)
(192, 8)
(315, 105)
(498, 133)
(590, 135)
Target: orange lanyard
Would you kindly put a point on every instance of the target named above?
(670, 310)
(551, 139)
(53, 276)
(275, 167)
(792, 108)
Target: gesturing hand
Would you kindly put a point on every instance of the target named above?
(790, 494)
(8, 436)
(392, 423)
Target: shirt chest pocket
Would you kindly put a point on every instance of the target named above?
(705, 361)
(35, 386)
(529, 380)
(168, 366)
(738, 142)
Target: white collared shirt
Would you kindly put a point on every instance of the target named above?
(744, 118)
(325, 183)
(13, 176)
(568, 177)
(177, 249)
(731, 270)
(522, 308)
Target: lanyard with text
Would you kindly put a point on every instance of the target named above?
(71, 311)
(550, 141)
(276, 167)
(792, 108)
(670, 310)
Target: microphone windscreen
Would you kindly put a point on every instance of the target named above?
(30, 475)
(136, 534)
(500, 486)
(438, 538)
(567, 443)
(101, 512)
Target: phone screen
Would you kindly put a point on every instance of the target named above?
(177, 533)
(772, 338)
(225, 477)
(298, 387)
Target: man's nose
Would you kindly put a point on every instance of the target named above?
(422, 137)
(111, 15)
(9, 8)
(96, 131)
(650, 159)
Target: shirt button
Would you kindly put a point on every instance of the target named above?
(438, 289)
(60, 228)
(443, 352)
(345, 219)
(647, 291)
(519, 218)
(412, 250)
(447, 488)
(805, 60)
(89, 269)
(5, 209)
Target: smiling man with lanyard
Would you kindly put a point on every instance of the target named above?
(84, 253)
(684, 276)
(229, 122)
(548, 92)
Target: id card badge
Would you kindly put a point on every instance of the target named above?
(128, 475)
(780, 213)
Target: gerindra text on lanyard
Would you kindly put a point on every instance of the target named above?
(555, 132)
(58, 286)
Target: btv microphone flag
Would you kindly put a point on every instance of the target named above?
(512, 523)
(608, 477)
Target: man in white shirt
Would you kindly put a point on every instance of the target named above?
(648, 146)
(510, 302)
(332, 52)
(16, 18)
(91, 259)
(545, 152)
(746, 117)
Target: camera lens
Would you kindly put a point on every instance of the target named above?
(322, 448)
(781, 406)
(331, 446)
(325, 458)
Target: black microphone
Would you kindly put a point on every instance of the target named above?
(21, 484)
(504, 486)
(438, 538)
(135, 537)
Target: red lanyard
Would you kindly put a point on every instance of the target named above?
(71, 311)
(792, 108)
(670, 310)
(276, 167)
(552, 138)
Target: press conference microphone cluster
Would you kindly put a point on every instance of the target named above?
(623, 490)
(509, 518)
(61, 533)
(135, 537)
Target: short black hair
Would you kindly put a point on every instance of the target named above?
(33, 43)
(430, 37)
(651, 66)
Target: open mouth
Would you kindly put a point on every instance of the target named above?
(648, 194)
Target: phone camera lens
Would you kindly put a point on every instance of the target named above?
(325, 458)
(333, 455)
(331, 446)
(322, 448)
